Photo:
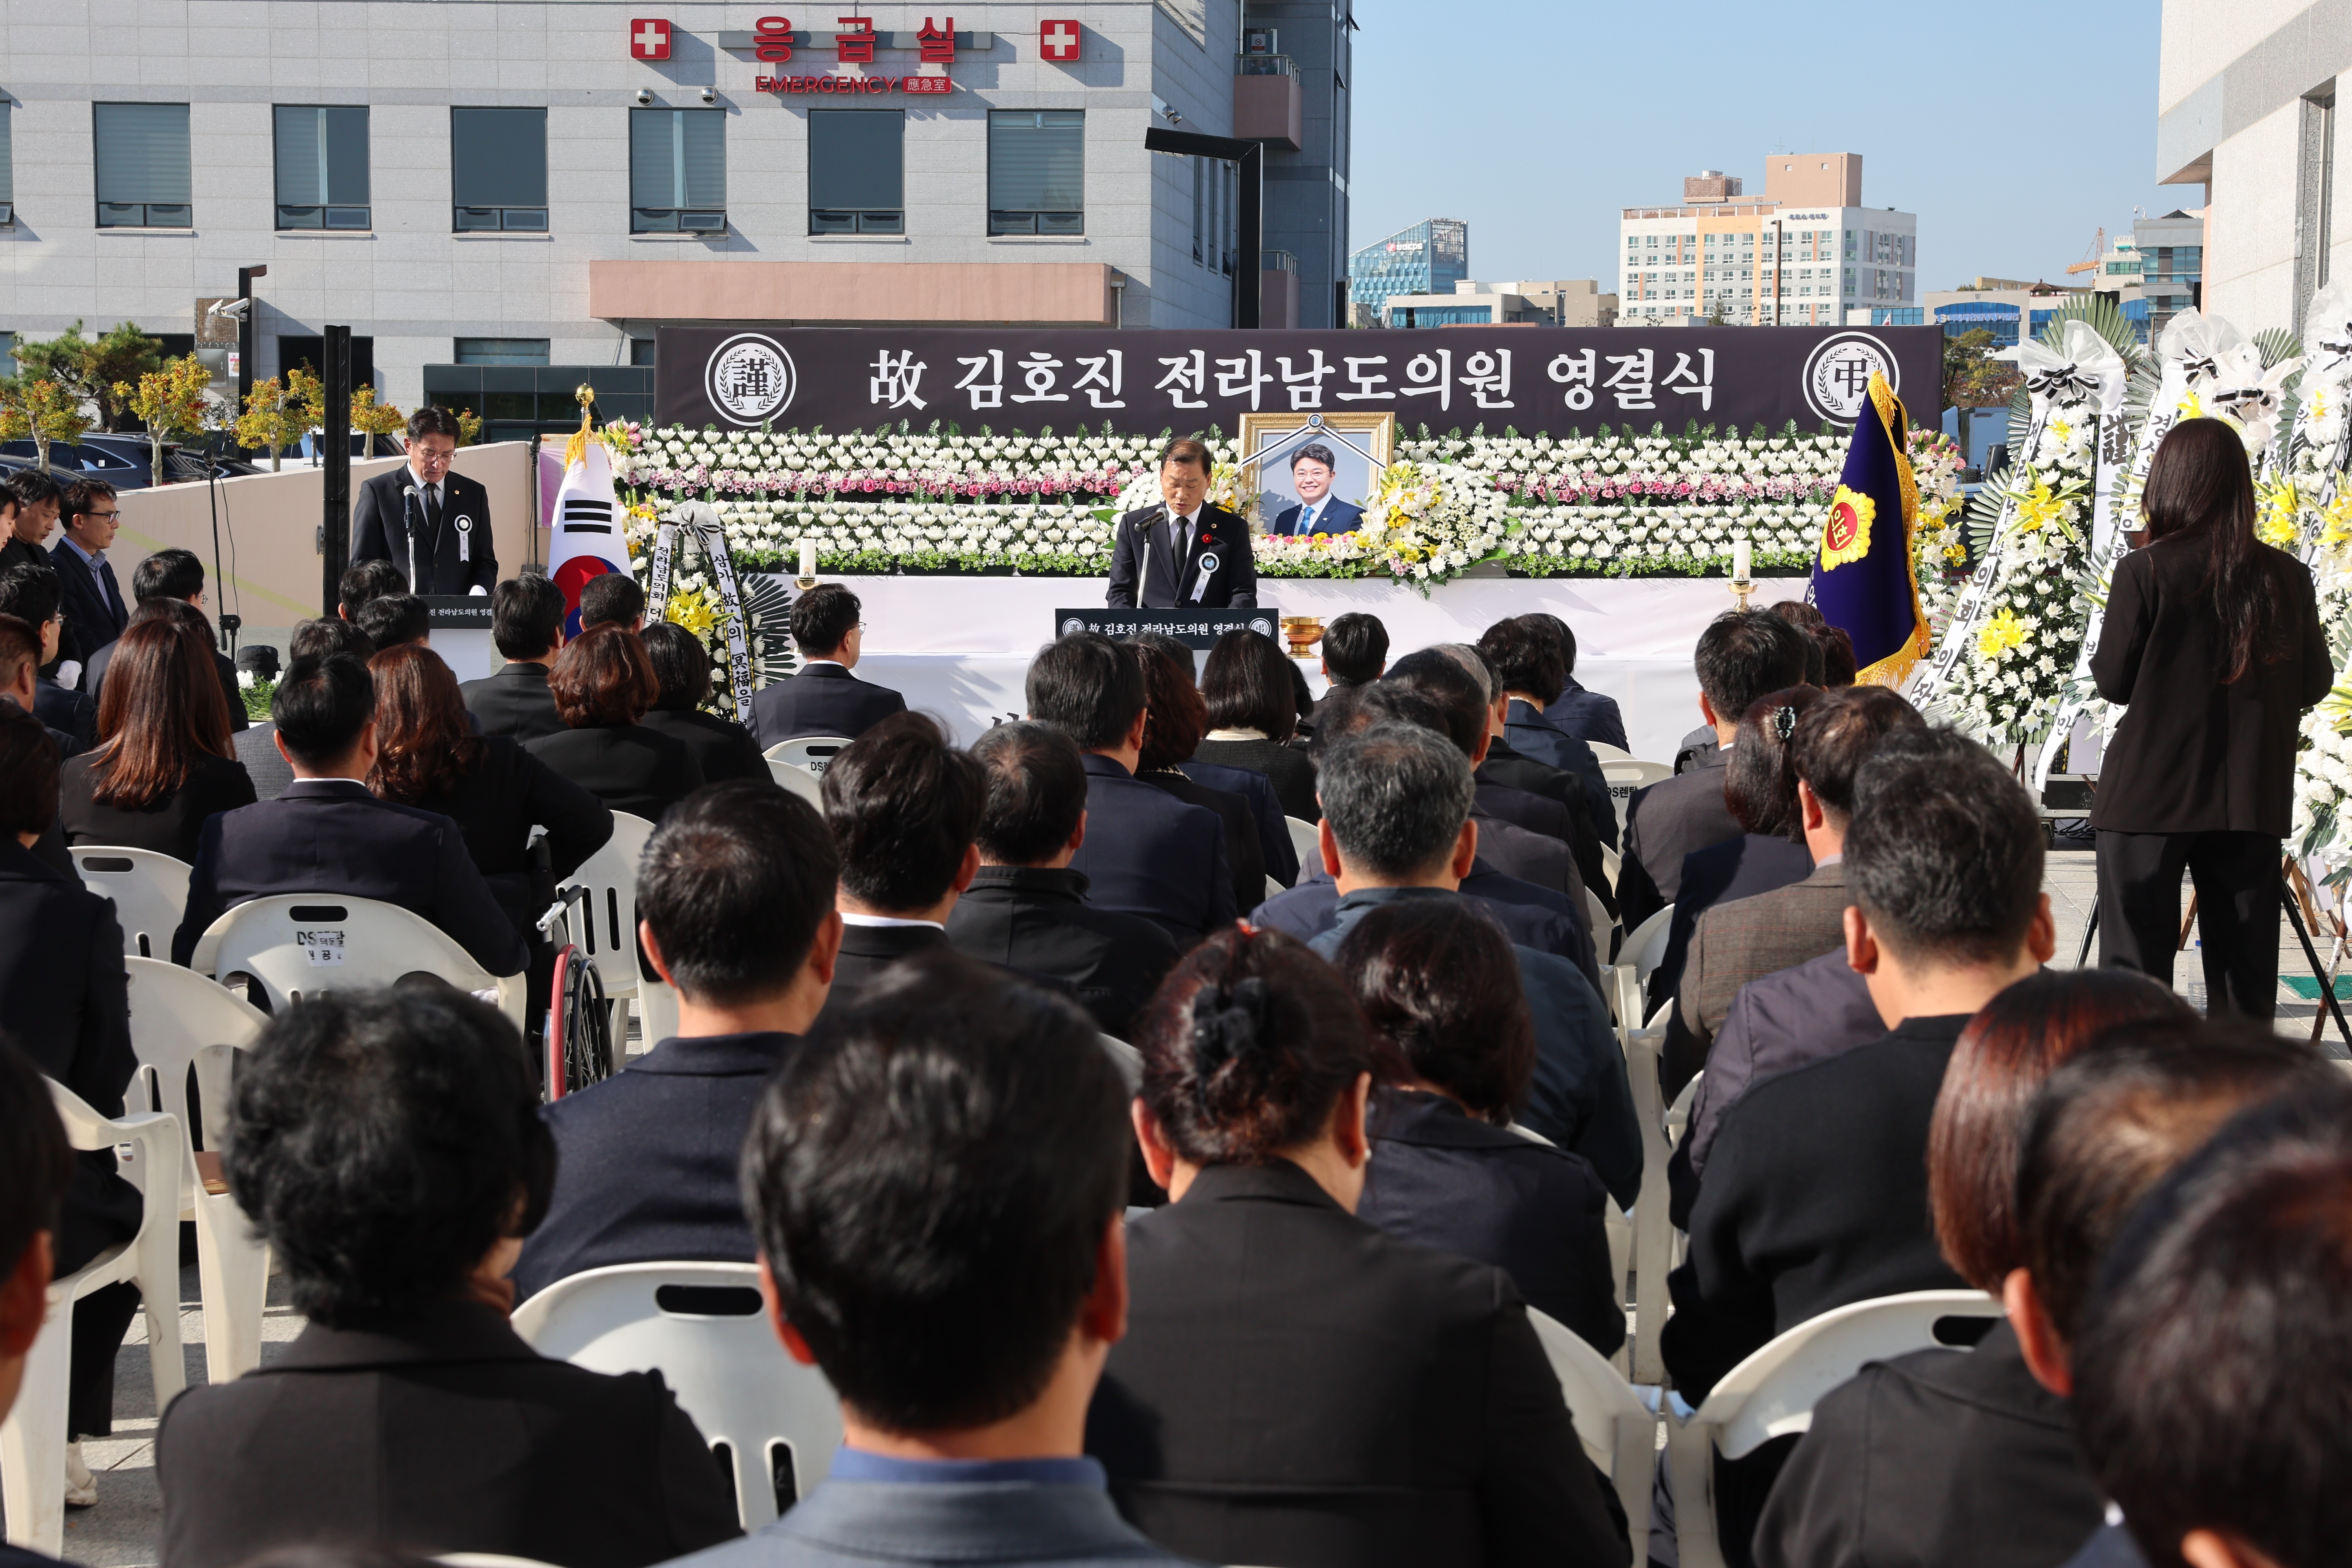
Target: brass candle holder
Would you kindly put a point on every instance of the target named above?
(1302, 633)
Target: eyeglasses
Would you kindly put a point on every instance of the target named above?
(104, 516)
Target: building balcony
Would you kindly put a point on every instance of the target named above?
(1268, 105)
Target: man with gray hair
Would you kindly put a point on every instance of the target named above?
(1396, 827)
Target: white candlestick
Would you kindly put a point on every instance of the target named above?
(1742, 558)
(808, 557)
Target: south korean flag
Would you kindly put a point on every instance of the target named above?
(588, 524)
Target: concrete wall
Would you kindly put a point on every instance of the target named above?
(269, 526)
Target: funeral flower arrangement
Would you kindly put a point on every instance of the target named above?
(1618, 502)
(1425, 522)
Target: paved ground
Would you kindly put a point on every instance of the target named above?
(121, 1531)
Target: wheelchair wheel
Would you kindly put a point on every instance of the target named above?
(579, 1028)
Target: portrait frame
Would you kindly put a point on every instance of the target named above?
(1362, 442)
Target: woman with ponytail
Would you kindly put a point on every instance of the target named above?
(1296, 1385)
(2214, 640)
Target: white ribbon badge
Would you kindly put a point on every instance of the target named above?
(465, 538)
(1209, 564)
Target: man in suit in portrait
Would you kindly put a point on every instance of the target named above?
(527, 625)
(952, 1256)
(1182, 553)
(735, 912)
(824, 698)
(1741, 656)
(326, 834)
(433, 525)
(1027, 910)
(95, 613)
(903, 806)
(1146, 852)
(1312, 469)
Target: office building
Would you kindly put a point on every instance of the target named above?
(1547, 302)
(1803, 253)
(2172, 263)
(1430, 258)
(2246, 106)
(2007, 307)
(500, 198)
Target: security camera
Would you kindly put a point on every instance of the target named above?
(645, 95)
(235, 309)
(710, 95)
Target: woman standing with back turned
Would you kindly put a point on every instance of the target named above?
(2214, 640)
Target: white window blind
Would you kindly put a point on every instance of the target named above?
(7, 158)
(141, 151)
(678, 158)
(1037, 160)
(323, 154)
(497, 157)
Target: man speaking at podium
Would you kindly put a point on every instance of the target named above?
(1183, 554)
(431, 524)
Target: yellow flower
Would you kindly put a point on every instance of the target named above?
(694, 610)
(2191, 406)
(2000, 634)
(2042, 506)
(2336, 522)
(2279, 506)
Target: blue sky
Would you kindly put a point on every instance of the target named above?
(1535, 122)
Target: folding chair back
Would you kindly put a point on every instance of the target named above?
(1773, 1391)
(181, 1022)
(32, 1437)
(300, 944)
(810, 753)
(798, 780)
(1623, 775)
(1608, 753)
(1620, 1433)
(1309, 841)
(1128, 1059)
(1652, 1226)
(606, 929)
(150, 892)
(701, 1325)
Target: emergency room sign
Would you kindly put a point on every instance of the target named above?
(1058, 40)
(648, 39)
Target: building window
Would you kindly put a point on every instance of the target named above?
(7, 184)
(1037, 171)
(857, 171)
(142, 165)
(498, 170)
(502, 351)
(322, 166)
(677, 171)
(641, 350)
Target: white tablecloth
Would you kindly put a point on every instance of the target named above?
(959, 648)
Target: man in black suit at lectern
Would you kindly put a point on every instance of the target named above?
(431, 524)
(1183, 554)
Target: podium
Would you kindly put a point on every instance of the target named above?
(1196, 629)
(460, 629)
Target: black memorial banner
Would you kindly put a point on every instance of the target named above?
(1193, 628)
(1533, 379)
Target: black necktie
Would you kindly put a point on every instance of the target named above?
(433, 512)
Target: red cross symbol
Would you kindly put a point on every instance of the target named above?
(1058, 40)
(648, 39)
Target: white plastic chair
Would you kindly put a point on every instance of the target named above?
(810, 753)
(298, 945)
(150, 892)
(1623, 775)
(489, 1559)
(1643, 948)
(1128, 1059)
(798, 780)
(1596, 914)
(33, 1438)
(1620, 1433)
(1773, 1391)
(180, 1019)
(656, 1012)
(1608, 753)
(718, 1353)
(1273, 887)
(1306, 838)
(607, 930)
(1678, 1114)
(1652, 1225)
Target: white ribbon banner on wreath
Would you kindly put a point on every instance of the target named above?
(2330, 364)
(701, 520)
(2095, 373)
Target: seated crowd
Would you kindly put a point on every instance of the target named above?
(935, 1034)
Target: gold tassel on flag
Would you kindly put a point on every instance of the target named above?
(577, 447)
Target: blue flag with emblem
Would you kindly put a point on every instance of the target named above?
(1864, 582)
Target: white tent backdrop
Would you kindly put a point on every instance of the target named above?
(959, 647)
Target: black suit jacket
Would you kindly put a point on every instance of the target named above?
(1037, 920)
(67, 712)
(1281, 855)
(1244, 860)
(867, 951)
(169, 825)
(256, 748)
(1148, 854)
(646, 1162)
(1291, 771)
(1506, 767)
(514, 702)
(1664, 823)
(822, 699)
(722, 748)
(1530, 734)
(1144, 570)
(331, 835)
(436, 1432)
(94, 677)
(627, 767)
(1815, 1197)
(1587, 715)
(458, 558)
(95, 615)
(497, 802)
(1941, 1455)
(1449, 1182)
(65, 1003)
(1298, 1387)
(2193, 755)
